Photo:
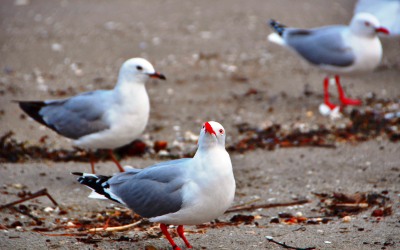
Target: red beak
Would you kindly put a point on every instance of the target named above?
(382, 30)
(158, 75)
(209, 129)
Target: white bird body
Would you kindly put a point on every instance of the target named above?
(101, 119)
(188, 191)
(367, 54)
(205, 196)
(337, 49)
(122, 105)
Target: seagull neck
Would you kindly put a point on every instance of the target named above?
(208, 150)
(130, 90)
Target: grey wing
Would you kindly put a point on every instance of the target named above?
(152, 192)
(77, 116)
(321, 46)
(167, 163)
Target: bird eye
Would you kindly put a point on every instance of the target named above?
(203, 126)
(367, 24)
(221, 131)
(139, 68)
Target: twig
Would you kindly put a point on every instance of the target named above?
(250, 202)
(270, 239)
(26, 212)
(64, 234)
(270, 205)
(112, 229)
(41, 192)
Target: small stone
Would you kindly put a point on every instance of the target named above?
(56, 47)
(163, 153)
(274, 220)
(21, 2)
(190, 136)
(70, 224)
(346, 219)
(18, 186)
(48, 210)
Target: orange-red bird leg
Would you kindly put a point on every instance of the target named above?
(115, 160)
(164, 229)
(181, 234)
(345, 101)
(326, 94)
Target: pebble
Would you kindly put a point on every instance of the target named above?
(163, 153)
(48, 209)
(56, 47)
(21, 2)
(70, 224)
(190, 136)
(346, 219)
(18, 186)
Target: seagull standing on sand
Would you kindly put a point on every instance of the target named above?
(101, 119)
(187, 191)
(337, 49)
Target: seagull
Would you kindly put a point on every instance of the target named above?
(387, 12)
(101, 119)
(337, 49)
(187, 191)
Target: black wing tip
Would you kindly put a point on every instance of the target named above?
(32, 109)
(278, 27)
(272, 22)
(97, 183)
(77, 173)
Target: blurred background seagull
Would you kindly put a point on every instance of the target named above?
(101, 119)
(187, 191)
(337, 49)
(386, 11)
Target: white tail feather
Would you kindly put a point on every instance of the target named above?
(94, 195)
(275, 38)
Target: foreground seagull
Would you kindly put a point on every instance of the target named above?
(187, 191)
(101, 119)
(336, 49)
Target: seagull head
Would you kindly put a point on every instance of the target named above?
(365, 24)
(212, 134)
(138, 70)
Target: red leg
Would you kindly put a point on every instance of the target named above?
(345, 101)
(115, 160)
(92, 161)
(326, 94)
(164, 229)
(182, 235)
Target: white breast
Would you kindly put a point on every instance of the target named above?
(127, 117)
(207, 195)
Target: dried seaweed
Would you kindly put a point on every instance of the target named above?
(340, 204)
(362, 126)
(13, 151)
(380, 118)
